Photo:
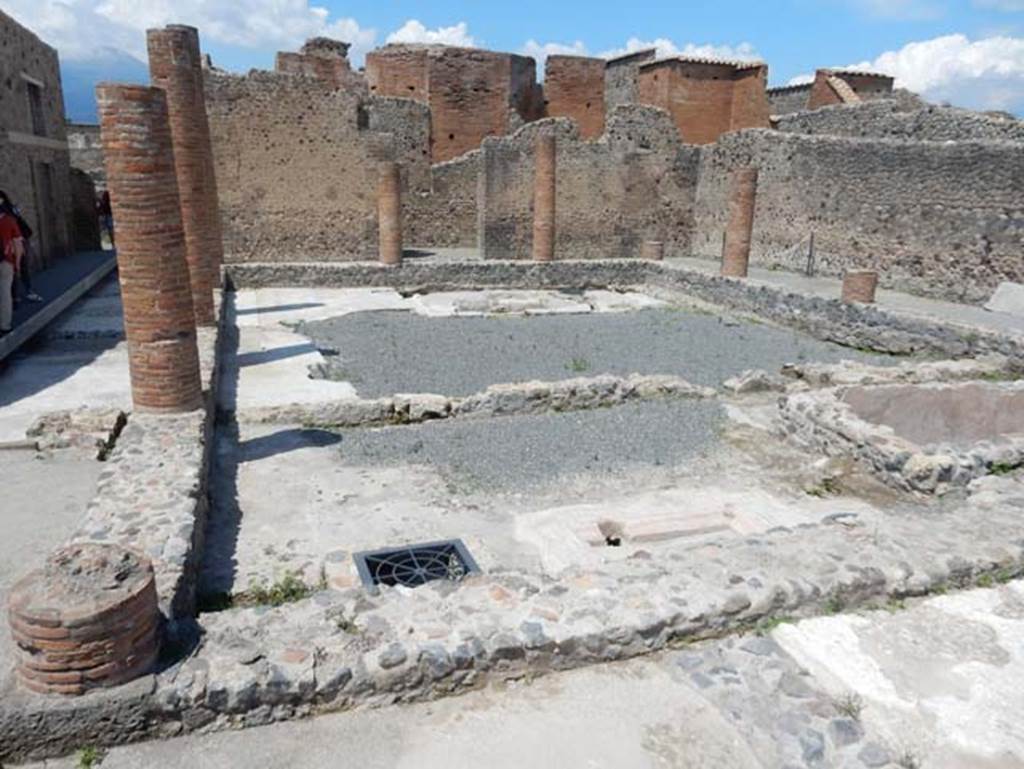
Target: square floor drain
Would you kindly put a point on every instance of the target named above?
(415, 565)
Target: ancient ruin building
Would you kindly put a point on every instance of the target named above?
(324, 59)
(471, 93)
(622, 78)
(34, 164)
(86, 151)
(833, 86)
(574, 87)
(706, 98)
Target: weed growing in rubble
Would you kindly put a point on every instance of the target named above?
(289, 588)
(850, 705)
(578, 365)
(90, 756)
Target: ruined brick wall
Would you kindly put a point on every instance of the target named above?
(445, 215)
(34, 162)
(471, 93)
(87, 152)
(296, 171)
(323, 59)
(574, 88)
(889, 119)
(706, 99)
(788, 99)
(622, 79)
(635, 183)
(942, 219)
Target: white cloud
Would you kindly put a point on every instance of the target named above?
(541, 51)
(414, 31)
(77, 27)
(981, 74)
(804, 79)
(666, 47)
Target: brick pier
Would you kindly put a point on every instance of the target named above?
(158, 317)
(742, 196)
(175, 66)
(544, 185)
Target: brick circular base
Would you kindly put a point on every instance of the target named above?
(652, 249)
(87, 619)
(859, 286)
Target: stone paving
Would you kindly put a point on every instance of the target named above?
(768, 530)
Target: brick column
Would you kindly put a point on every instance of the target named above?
(158, 318)
(87, 619)
(544, 198)
(389, 213)
(859, 286)
(736, 250)
(175, 66)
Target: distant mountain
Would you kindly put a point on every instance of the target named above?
(80, 77)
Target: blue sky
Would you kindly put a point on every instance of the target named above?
(969, 52)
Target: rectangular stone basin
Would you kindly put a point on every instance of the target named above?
(958, 415)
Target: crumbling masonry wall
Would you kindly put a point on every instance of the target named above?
(622, 79)
(941, 219)
(891, 120)
(636, 183)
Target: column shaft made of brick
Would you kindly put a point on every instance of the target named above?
(389, 213)
(742, 197)
(175, 66)
(544, 186)
(159, 320)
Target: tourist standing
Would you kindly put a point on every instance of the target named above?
(12, 246)
(25, 272)
(106, 215)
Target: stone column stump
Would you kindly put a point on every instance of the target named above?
(175, 65)
(653, 250)
(859, 286)
(738, 233)
(87, 619)
(389, 213)
(159, 321)
(544, 184)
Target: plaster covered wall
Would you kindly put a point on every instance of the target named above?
(635, 183)
(34, 166)
(935, 218)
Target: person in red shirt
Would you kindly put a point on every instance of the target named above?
(10, 260)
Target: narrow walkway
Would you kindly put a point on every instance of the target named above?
(894, 301)
(59, 286)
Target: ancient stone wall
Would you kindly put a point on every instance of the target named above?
(706, 98)
(574, 88)
(636, 183)
(941, 219)
(324, 59)
(445, 215)
(34, 167)
(788, 99)
(87, 152)
(622, 76)
(295, 167)
(888, 119)
(471, 93)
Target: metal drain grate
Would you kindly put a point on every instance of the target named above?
(416, 565)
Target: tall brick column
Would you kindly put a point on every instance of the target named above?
(742, 196)
(544, 198)
(176, 67)
(158, 318)
(389, 213)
